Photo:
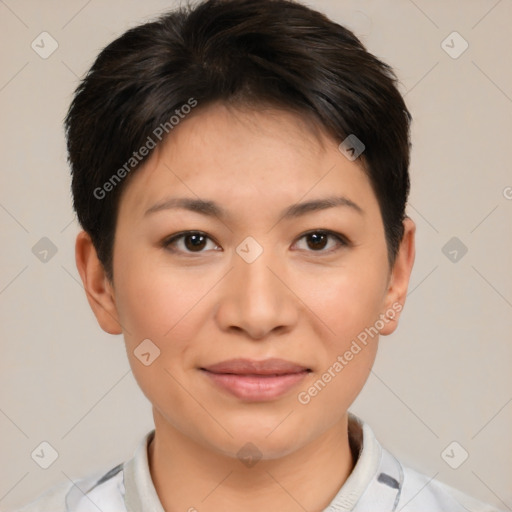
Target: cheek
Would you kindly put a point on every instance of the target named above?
(158, 306)
(347, 303)
(165, 306)
(153, 301)
(346, 300)
(348, 306)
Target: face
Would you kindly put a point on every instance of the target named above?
(251, 275)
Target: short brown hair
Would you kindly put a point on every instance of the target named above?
(242, 52)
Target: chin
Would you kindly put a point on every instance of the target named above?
(269, 441)
(250, 450)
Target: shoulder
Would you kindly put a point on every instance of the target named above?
(52, 499)
(99, 491)
(395, 486)
(420, 492)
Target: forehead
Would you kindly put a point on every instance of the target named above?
(241, 156)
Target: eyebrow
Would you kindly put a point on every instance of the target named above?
(210, 208)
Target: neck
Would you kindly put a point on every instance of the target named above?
(188, 476)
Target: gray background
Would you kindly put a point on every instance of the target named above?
(443, 376)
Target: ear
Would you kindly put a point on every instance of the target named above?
(399, 279)
(99, 290)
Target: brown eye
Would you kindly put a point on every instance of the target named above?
(192, 242)
(317, 241)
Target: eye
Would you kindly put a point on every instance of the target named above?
(317, 240)
(193, 242)
(196, 241)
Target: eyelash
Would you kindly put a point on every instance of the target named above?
(342, 240)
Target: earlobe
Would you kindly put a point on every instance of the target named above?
(98, 289)
(399, 281)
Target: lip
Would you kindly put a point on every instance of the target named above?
(253, 380)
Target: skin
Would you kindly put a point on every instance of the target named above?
(299, 300)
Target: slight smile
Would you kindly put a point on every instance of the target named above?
(256, 381)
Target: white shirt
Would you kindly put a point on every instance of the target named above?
(378, 483)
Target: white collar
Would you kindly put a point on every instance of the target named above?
(377, 476)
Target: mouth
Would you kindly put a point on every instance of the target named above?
(254, 381)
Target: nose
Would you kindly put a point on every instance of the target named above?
(256, 298)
